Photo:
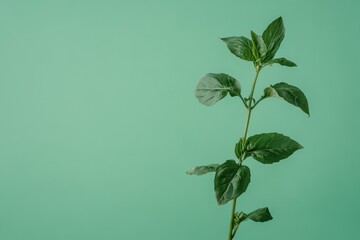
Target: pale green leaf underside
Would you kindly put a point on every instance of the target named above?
(201, 170)
(214, 87)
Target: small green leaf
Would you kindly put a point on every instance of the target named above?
(259, 48)
(289, 93)
(201, 170)
(238, 218)
(214, 87)
(231, 180)
(270, 147)
(239, 148)
(260, 215)
(273, 36)
(240, 47)
(282, 61)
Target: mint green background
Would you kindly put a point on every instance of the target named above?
(98, 121)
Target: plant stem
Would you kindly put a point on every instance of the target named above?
(257, 68)
(230, 236)
(256, 103)
(250, 102)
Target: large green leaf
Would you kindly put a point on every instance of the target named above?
(214, 87)
(240, 47)
(259, 48)
(283, 62)
(231, 180)
(201, 170)
(260, 215)
(289, 93)
(270, 147)
(273, 36)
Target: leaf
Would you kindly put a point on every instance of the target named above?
(282, 61)
(240, 47)
(201, 170)
(231, 180)
(259, 48)
(239, 148)
(270, 147)
(273, 36)
(214, 87)
(238, 218)
(289, 93)
(259, 215)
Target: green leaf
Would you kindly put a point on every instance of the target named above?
(273, 36)
(259, 48)
(289, 93)
(282, 61)
(214, 87)
(270, 147)
(201, 170)
(260, 215)
(238, 218)
(240, 47)
(231, 180)
(239, 148)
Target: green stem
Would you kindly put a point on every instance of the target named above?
(249, 107)
(230, 236)
(256, 103)
(242, 99)
(250, 102)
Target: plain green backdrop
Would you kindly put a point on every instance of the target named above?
(98, 121)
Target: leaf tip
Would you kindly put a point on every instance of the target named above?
(306, 110)
(224, 39)
(189, 171)
(268, 212)
(280, 19)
